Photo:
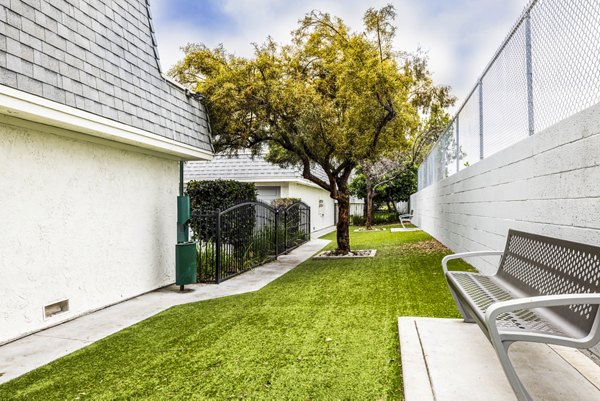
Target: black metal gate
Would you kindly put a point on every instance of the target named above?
(296, 226)
(247, 235)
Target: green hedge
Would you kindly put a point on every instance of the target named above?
(379, 217)
(207, 196)
(284, 202)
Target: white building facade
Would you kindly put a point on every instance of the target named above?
(271, 182)
(91, 135)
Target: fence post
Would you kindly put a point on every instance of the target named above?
(528, 62)
(480, 119)
(285, 230)
(457, 145)
(218, 247)
(309, 232)
(276, 233)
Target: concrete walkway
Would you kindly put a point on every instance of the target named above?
(28, 353)
(449, 360)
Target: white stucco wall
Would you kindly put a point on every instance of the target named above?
(320, 217)
(80, 221)
(546, 184)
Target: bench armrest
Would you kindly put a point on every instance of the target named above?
(544, 301)
(405, 216)
(465, 255)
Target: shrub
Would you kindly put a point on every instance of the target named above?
(284, 202)
(207, 196)
(357, 220)
(379, 217)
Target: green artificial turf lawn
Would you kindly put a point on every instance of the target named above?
(327, 330)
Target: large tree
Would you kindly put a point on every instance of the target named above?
(331, 99)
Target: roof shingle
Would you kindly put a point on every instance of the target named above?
(99, 57)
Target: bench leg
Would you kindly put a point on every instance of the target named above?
(402, 224)
(466, 316)
(509, 370)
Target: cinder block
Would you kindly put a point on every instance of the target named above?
(51, 11)
(24, 9)
(13, 19)
(11, 32)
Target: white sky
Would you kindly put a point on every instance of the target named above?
(460, 36)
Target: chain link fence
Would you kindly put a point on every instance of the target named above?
(546, 70)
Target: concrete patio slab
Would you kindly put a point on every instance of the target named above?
(449, 360)
(33, 351)
(403, 230)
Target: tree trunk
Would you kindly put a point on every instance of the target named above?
(343, 224)
(369, 201)
(369, 221)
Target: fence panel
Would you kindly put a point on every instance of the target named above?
(297, 224)
(247, 235)
(566, 55)
(545, 71)
(468, 125)
(504, 88)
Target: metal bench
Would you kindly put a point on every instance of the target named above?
(546, 290)
(405, 218)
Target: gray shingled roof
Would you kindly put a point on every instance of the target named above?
(243, 167)
(99, 57)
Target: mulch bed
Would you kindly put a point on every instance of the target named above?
(361, 253)
(364, 230)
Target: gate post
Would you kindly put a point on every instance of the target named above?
(276, 233)
(309, 226)
(285, 230)
(218, 247)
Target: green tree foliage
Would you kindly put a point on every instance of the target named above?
(397, 188)
(331, 98)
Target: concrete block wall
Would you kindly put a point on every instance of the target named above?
(547, 184)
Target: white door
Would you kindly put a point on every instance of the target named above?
(267, 194)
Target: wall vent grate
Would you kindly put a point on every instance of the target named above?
(56, 308)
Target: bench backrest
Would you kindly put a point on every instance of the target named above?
(539, 265)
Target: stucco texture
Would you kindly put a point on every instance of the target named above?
(320, 217)
(81, 221)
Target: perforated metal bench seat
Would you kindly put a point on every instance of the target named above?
(478, 292)
(545, 290)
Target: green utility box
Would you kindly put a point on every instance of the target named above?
(183, 217)
(185, 263)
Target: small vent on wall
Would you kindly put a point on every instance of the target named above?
(56, 308)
